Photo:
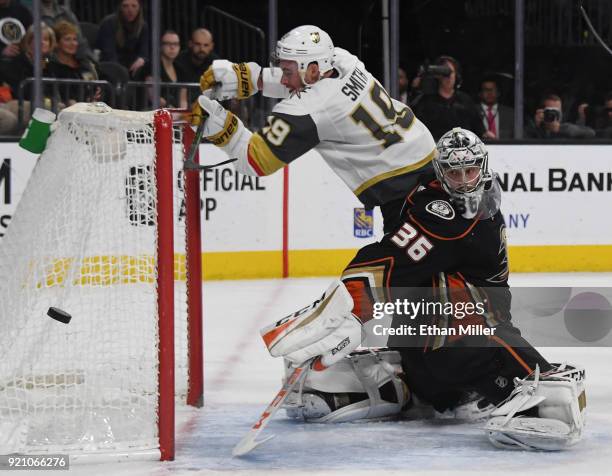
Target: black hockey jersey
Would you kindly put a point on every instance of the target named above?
(436, 257)
(434, 247)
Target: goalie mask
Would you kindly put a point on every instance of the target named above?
(461, 166)
(305, 44)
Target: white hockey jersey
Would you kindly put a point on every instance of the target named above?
(374, 143)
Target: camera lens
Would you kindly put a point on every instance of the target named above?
(551, 115)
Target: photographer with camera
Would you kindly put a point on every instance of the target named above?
(603, 123)
(601, 117)
(547, 123)
(439, 104)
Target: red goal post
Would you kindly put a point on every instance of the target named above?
(165, 122)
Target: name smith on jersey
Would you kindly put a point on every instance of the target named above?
(355, 84)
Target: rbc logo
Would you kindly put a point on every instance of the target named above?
(363, 223)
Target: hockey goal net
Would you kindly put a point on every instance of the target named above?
(108, 229)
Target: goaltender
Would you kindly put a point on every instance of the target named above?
(448, 246)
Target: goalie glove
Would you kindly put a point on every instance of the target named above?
(327, 328)
(231, 80)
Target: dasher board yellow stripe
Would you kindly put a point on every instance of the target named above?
(523, 259)
(560, 258)
(302, 263)
(113, 270)
(269, 264)
(242, 265)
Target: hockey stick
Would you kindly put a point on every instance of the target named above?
(195, 145)
(189, 161)
(249, 442)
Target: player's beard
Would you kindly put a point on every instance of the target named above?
(200, 56)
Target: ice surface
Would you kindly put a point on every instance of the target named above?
(241, 378)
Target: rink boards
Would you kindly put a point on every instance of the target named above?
(555, 202)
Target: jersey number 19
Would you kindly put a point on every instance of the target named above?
(381, 98)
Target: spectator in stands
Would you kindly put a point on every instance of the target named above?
(597, 117)
(447, 107)
(8, 119)
(65, 64)
(17, 19)
(547, 122)
(191, 63)
(603, 120)
(498, 120)
(52, 13)
(198, 57)
(21, 67)
(124, 37)
(170, 48)
(8, 122)
(403, 86)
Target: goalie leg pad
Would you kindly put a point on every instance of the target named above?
(326, 328)
(544, 412)
(366, 385)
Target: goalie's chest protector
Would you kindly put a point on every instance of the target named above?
(366, 137)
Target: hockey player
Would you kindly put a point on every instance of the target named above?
(449, 247)
(330, 103)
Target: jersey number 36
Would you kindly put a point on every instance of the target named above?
(417, 246)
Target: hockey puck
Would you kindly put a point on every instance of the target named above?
(59, 315)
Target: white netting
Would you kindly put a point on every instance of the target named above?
(83, 239)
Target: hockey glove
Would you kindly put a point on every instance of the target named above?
(220, 125)
(197, 114)
(231, 80)
(327, 328)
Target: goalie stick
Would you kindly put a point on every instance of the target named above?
(249, 442)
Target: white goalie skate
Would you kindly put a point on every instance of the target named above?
(545, 411)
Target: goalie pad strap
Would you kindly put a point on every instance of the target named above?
(363, 372)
